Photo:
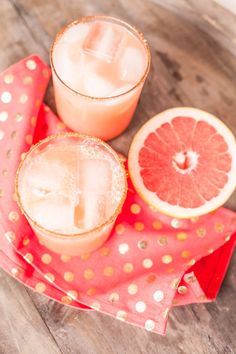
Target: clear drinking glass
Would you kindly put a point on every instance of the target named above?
(71, 188)
(99, 65)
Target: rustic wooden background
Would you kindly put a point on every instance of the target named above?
(193, 46)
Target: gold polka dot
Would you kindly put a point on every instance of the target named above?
(1, 193)
(165, 313)
(194, 219)
(113, 297)
(158, 296)
(151, 278)
(45, 73)
(50, 277)
(4, 173)
(201, 298)
(46, 258)
(175, 302)
(154, 209)
(29, 139)
(9, 154)
(157, 225)
(31, 64)
(23, 98)
(85, 256)
(8, 79)
(3, 116)
(185, 254)
(91, 291)
(181, 236)
(175, 223)
(123, 248)
(108, 271)
(27, 80)
(120, 229)
(26, 241)
(13, 134)
(190, 278)
(211, 250)
(166, 259)
(139, 226)
(227, 238)
(191, 262)
(15, 271)
(149, 325)
(10, 236)
(128, 267)
(140, 306)
(19, 117)
(95, 305)
(135, 209)
(65, 258)
(66, 300)
(133, 289)
(88, 274)
(201, 232)
(121, 315)
(72, 294)
(162, 240)
(6, 97)
(142, 244)
(1, 134)
(219, 227)
(29, 257)
(33, 121)
(13, 216)
(175, 283)
(147, 263)
(69, 276)
(60, 126)
(182, 289)
(40, 287)
(104, 251)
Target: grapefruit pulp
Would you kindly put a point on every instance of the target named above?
(183, 162)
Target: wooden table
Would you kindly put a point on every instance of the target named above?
(193, 46)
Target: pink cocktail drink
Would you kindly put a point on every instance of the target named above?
(99, 65)
(71, 188)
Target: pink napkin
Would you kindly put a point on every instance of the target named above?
(150, 263)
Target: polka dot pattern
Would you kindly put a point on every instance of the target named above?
(137, 269)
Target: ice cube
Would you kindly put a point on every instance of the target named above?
(75, 33)
(103, 41)
(131, 64)
(96, 86)
(95, 183)
(54, 213)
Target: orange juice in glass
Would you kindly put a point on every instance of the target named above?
(71, 188)
(99, 65)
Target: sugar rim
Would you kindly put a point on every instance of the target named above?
(132, 29)
(87, 232)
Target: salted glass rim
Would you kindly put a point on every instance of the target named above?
(132, 29)
(98, 228)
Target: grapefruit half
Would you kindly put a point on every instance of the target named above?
(183, 162)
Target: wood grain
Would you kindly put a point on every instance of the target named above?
(192, 64)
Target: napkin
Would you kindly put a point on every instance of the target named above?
(150, 262)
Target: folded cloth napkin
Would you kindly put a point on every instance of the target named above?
(150, 262)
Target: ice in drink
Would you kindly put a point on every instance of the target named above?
(99, 67)
(71, 188)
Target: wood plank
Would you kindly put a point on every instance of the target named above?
(22, 329)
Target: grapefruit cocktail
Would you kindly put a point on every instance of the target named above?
(99, 65)
(71, 188)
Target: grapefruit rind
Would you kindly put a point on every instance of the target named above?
(150, 197)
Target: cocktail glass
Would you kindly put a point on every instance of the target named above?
(99, 65)
(71, 188)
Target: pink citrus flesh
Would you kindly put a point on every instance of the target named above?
(183, 162)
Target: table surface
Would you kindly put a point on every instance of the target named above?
(193, 64)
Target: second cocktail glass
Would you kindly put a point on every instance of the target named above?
(99, 65)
